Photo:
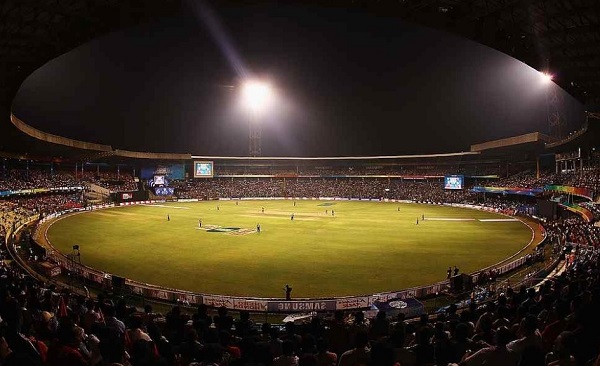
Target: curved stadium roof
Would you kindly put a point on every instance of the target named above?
(560, 35)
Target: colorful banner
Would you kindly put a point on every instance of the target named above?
(577, 191)
(508, 190)
(587, 215)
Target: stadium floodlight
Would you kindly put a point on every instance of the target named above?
(256, 95)
(554, 114)
(546, 77)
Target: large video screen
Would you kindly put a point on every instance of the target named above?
(203, 169)
(159, 180)
(454, 182)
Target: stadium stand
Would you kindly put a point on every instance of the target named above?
(12, 180)
(355, 170)
(372, 188)
(555, 323)
(111, 180)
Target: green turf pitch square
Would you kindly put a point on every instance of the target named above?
(364, 248)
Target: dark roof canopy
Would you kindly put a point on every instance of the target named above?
(561, 36)
(587, 137)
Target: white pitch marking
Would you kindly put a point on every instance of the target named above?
(498, 220)
(446, 219)
(465, 219)
(165, 206)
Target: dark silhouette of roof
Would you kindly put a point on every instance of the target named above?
(560, 36)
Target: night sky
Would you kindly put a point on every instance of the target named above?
(347, 83)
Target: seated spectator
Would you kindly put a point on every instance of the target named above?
(498, 354)
(244, 325)
(287, 358)
(324, 356)
(201, 320)
(563, 351)
(402, 355)
(380, 327)
(529, 347)
(223, 321)
(382, 354)
(338, 335)
(8, 357)
(359, 355)
(64, 352)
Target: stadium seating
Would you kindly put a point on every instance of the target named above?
(555, 323)
(114, 182)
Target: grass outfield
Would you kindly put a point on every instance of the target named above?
(366, 247)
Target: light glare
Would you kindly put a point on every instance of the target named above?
(546, 77)
(256, 95)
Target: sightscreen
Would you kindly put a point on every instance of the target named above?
(454, 182)
(203, 169)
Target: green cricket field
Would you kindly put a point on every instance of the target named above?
(328, 248)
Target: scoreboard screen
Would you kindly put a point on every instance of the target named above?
(454, 182)
(159, 180)
(203, 169)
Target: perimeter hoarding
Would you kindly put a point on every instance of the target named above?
(203, 169)
(302, 306)
(131, 196)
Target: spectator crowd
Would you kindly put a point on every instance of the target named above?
(113, 181)
(372, 188)
(17, 211)
(22, 179)
(14, 180)
(555, 323)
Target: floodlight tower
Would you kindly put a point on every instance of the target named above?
(256, 96)
(556, 122)
(255, 138)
